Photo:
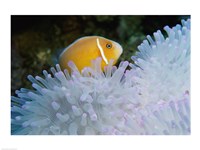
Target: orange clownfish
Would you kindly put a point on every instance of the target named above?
(84, 50)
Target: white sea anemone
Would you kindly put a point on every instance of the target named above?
(150, 98)
(162, 67)
(87, 103)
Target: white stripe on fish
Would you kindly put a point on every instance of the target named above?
(102, 52)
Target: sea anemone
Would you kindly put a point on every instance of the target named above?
(150, 98)
(162, 67)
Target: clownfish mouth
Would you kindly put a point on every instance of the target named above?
(119, 47)
(101, 51)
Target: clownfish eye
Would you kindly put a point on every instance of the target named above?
(109, 46)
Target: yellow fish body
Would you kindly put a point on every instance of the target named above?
(88, 48)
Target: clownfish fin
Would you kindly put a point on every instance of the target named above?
(56, 55)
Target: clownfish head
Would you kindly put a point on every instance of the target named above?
(86, 49)
(108, 49)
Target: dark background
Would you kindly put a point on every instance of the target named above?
(36, 41)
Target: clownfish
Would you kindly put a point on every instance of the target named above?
(84, 50)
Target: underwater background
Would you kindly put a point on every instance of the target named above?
(36, 41)
(148, 96)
